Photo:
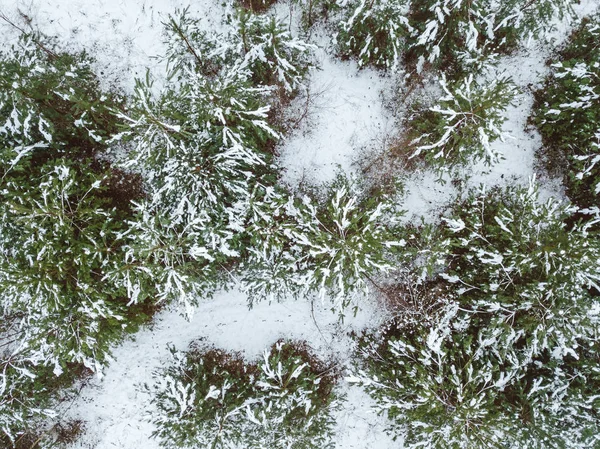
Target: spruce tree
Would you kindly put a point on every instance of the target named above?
(60, 220)
(506, 359)
(464, 123)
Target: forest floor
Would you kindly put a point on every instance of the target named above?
(345, 119)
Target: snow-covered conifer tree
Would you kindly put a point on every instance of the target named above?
(568, 114)
(508, 361)
(59, 222)
(461, 126)
(333, 248)
(210, 398)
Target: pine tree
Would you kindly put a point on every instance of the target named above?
(506, 359)
(461, 127)
(513, 257)
(210, 398)
(456, 35)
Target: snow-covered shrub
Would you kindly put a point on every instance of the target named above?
(460, 128)
(458, 384)
(456, 34)
(50, 104)
(204, 145)
(508, 360)
(293, 401)
(374, 32)
(60, 215)
(269, 51)
(567, 114)
(260, 47)
(216, 399)
(58, 221)
(333, 248)
(200, 398)
(514, 258)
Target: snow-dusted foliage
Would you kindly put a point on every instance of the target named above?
(56, 243)
(455, 34)
(50, 103)
(374, 32)
(459, 385)
(294, 399)
(209, 398)
(198, 144)
(460, 33)
(461, 126)
(301, 247)
(509, 361)
(270, 52)
(203, 146)
(59, 222)
(23, 397)
(568, 113)
(260, 46)
(514, 258)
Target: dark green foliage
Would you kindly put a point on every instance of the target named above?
(199, 398)
(515, 259)
(209, 398)
(453, 35)
(51, 101)
(457, 385)
(62, 210)
(460, 128)
(332, 247)
(270, 52)
(205, 143)
(457, 36)
(567, 113)
(374, 32)
(506, 358)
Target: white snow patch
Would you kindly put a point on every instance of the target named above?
(115, 408)
(345, 116)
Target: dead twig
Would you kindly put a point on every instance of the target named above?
(28, 20)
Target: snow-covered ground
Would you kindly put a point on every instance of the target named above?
(345, 117)
(124, 36)
(116, 407)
